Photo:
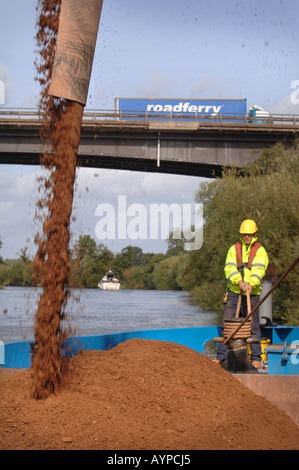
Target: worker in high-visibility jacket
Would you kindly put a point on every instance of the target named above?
(245, 266)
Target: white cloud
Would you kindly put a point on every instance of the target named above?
(103, 185)
(285, 105)
(18, 195)
(18, 187)
(5, 210)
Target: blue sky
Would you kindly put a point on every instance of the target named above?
(163, 48)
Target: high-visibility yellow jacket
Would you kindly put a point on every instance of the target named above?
(252, 276)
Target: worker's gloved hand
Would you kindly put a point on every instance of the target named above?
(244, 287)
(249, 289)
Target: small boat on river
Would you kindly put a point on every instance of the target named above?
(109, 282)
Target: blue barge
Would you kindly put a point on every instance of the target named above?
(278, 380)
(282, 351)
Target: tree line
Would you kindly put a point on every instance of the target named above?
(266, 190)
(90, 261)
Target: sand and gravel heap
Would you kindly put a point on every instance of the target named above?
(143, 394)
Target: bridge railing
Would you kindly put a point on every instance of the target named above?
(20, 113)
(34, 114)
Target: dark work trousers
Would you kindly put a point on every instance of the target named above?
(230, 312)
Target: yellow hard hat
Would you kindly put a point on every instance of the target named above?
(248, 226)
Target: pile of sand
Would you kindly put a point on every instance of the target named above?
(143, 394)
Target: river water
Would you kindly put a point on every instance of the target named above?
(93, 312)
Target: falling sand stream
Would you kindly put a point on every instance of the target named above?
(66, 37)
(62, 130)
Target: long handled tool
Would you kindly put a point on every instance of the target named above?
(261, 301)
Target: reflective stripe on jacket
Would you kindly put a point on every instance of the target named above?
(252, 276)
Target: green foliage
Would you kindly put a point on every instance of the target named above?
(128, 257)
(141, 277)
(167, 273)
(175, 245)
(89, 262)
(14, 272)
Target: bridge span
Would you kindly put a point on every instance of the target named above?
(138, 143)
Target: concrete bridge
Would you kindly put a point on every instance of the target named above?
(137, 142)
